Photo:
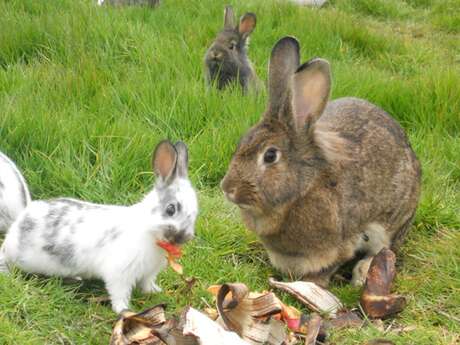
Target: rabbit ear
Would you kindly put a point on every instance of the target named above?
(229, 18)
(311, 86)
(284, 61)
(164, 161)
(182, 159)
(247, 24)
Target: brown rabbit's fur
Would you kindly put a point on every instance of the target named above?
(345, 181)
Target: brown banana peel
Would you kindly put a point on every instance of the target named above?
(149, 327)
(139, 328)
(207, 331)
(314, 325)
(250, 314)
(376, 299)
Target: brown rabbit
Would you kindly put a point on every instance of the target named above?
(321, 181)
(226, 60)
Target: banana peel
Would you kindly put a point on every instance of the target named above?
(141, 328)
(207, 331)
(241, 317)
(249, 314)
(313, 296)
(376, 299)
(314, 326)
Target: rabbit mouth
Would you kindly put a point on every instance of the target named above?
(221, 69)
(242, 205)
(245, 207)
(252, 209)
(215, 64)
(244, 201)
(175, 236)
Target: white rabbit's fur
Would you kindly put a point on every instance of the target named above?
(14, 194)
(71, 238)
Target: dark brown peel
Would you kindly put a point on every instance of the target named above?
(346, 319)
(249, 314)
(141, 328)
(149, 327)
(314, 325)
(376, 299)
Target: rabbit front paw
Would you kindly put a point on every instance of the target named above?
(120, 294)
(360, 272)
(149, 285)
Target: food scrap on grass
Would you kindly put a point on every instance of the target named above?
(312, 295)
(376, 299)
(244, 317)
(174, 253)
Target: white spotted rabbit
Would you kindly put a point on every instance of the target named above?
(72, 238)
(14, 194)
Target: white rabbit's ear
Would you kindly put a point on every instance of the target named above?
(164, 161)
(182, 159)
(311, 86)
(229, 18)
(247, 24)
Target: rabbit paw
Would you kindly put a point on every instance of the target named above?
(360, 272)
(149, 286)
(120, 294)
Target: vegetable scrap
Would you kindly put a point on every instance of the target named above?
(141, 328)
(174, 253)
(313, 296)
(314, 326)
(376, 299)
(207, 331)
(249, 314)
(243, 317)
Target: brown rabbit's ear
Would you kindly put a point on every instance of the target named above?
(164, 161)
(284, 61)
(311, 86)
(247, 24)
(229, 18)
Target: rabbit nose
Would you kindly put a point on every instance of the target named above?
(228, 192)
(217, 55)
(231, 194)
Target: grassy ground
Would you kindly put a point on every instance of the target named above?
(86, 92)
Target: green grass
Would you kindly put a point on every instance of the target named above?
(86, 93)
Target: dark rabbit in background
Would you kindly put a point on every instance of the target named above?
(320, 181)
(226, 60)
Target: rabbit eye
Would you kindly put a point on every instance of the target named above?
(232, 45)
(270, 155)
(171, 210)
